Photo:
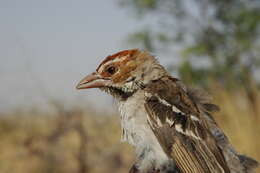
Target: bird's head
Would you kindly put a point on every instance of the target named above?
(123, 73)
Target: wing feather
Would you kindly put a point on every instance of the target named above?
(181, 131)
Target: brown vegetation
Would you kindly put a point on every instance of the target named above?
(82, 141)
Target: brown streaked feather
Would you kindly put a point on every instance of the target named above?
(188, 153)
(125, 72)
(193, 147)
(193, 152)
(249, 163)
(169, 89)
(199, 96)
(129, 53)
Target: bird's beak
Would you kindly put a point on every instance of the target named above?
(94, 80)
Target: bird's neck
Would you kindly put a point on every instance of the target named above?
(119, 93)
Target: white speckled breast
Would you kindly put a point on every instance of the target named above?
(137, 132)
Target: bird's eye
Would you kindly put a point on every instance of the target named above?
(111, 70)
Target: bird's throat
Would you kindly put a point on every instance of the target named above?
(118, 93)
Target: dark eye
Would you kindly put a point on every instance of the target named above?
(111, 70)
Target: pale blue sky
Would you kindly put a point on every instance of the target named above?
(47, 46)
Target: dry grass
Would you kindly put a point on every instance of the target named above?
(240, 119)
(80, 141)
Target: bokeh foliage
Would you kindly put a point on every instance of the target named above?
(215, 39)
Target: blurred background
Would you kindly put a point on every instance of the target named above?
(46, 47)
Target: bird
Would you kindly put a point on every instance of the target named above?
(170, 125)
